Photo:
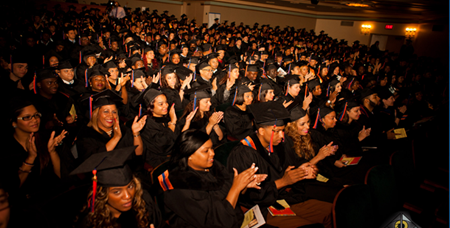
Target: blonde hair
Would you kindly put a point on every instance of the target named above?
(93, 122)
(101, 217)
(302, 143)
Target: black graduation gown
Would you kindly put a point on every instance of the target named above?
(74, 90)
(242, 157)
(198, 199)
(59, 104)
(158, 140)
(201, 125)
(173, 96)
(128, 219)
(238, 123)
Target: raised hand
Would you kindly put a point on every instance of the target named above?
(53, 142)
(155, 79)
(31, 146)
(137, 126)
(243, 179)
(292, 176)
(286, 104)
(364, 133)
(116, 128)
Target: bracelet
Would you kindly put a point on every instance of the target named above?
(170, 123)
(26, 163)
(24, 171)
(137, 135)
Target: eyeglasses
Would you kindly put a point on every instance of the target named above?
(207, 70)
(28, 118)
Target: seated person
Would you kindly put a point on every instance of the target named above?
(208, 193)
(274, 157)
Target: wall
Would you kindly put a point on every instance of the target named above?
(250, 17)
(432, 43)
(334, 29)
(175, 9)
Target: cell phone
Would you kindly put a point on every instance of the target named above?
(278, 206)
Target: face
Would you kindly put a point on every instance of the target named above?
(303, 125)
(336, 71)
(374, 98)
(4, 209)
(91, 60)
(48, 86)
(389, 102)
(278, 134)
(384, 82)
(269, 95)
(20, 69)
(171, 80)
(206, 73)
(121, 198)
(338, 87)
(150, 55)
(313, 62)
(160, 106)
(26, 124)
(354, 113)
(53, 61)
(66, 74)
(355, 85)
(71, 34)
(252, 75)
(317, 91)
(214, 63)
(221, 54)
(175, 58)
(84, 41)
(203, 157)
(139, 64)
(107, 114)
(329, 121)
(98, 83)
(248, 98)
(204, 104)
(294, 90)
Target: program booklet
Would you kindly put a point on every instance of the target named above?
(284, 212)
(350, 160)
(253, 218)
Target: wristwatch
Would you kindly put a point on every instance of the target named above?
(328, 101)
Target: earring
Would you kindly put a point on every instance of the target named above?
(15, 126)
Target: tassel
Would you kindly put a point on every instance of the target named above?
(328, 90)
(94, 188)
(306, 90)
(195, 100)
(343, 112)
(90, 107)
(317, 119)
(287, 89)
(195, 75)
(289, 70)
(132, 78)
(81, 57)
(235, 95)
(259, 92)
(140, 110)
(34, 83)
(86, 77)
(271, 138)
(350, 84)
(43, 62)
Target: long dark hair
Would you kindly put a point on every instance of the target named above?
(187, 143)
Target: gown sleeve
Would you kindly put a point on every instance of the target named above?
(237, 126)
(158, 141)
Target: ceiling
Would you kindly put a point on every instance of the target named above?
(417, 10)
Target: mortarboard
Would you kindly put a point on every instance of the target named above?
(65, 65)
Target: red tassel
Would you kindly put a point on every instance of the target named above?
(34, 83)
(94, 188)
(317, 119)
(271, 139)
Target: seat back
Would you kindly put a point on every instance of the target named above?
(384, 192)
(353, 207)
(159, 195)
(222, 151)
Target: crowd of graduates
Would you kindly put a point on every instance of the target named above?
(95, 103)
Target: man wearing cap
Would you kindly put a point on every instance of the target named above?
(117, 12)
(274, 157)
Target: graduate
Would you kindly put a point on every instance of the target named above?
(117, 197)
(275, 158)
(66, 81)
(200, 192)
(237, 119)
(173, 88)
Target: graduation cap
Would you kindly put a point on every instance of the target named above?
(252, 68)
(45, 74)
(135, 59)
(312, 84)
(183, 72)
(297, 112)
(147, 96)
(346, 105)
(241, 89)
(202, 65)
(64, 65)
(206, 46)
(109, 65)
(332, 83)
(384, 93)
(108, 168)
(106, 97)
(263, 87)
(270, 113)
(321, 112)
